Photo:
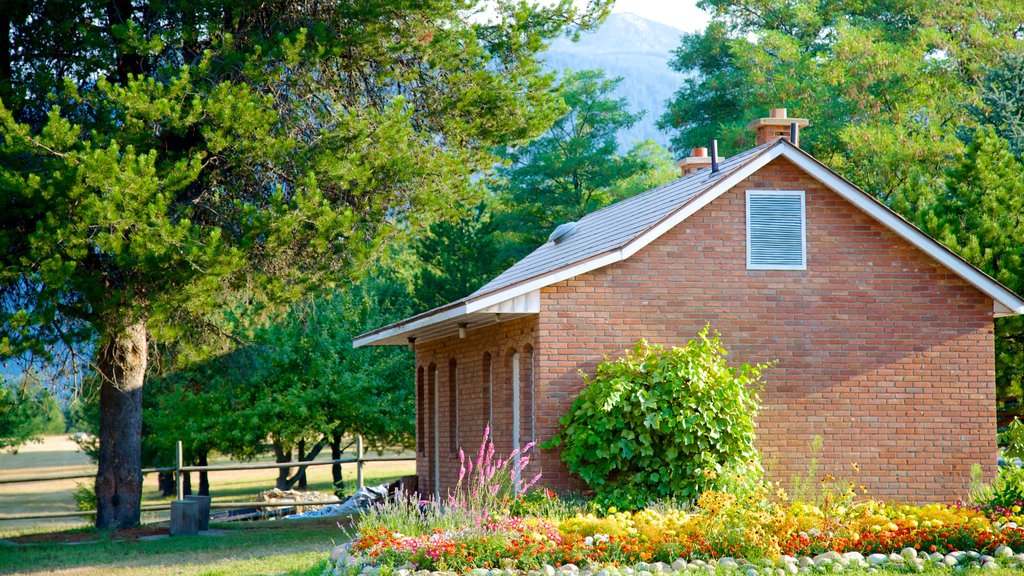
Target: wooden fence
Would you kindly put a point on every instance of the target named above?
(359, 459)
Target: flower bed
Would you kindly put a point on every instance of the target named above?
(491, 522)
(789, 537)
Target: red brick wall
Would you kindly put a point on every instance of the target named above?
(881, 351)
(499, 341)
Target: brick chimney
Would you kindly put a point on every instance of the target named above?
(699, 159)
(777, 125)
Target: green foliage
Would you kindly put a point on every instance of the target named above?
(571, 170)
(85, 497)
(1002, 100)
(574, 168)
(299, 379)
(1006, 490)
(543, 503)
(455, 257)
(893, 91)
(663, 423)
(27, 411)
(804, 487)
(979, 213)
(1011, 440)
(163, 162)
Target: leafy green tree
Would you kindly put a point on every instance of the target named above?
(26, 412)
(299, 381)
(884, 83)
(455, 257)
(161, 161)
(895, 92)
(574, 168)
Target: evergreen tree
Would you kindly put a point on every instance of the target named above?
(980, 214)
(1002, 100)
(161, 162)
(456, 257)
(574, 168)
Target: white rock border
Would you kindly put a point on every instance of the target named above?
(342, 563)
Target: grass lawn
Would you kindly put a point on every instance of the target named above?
(270, 547)
(57, 455)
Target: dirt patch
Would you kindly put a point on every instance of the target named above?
(78, 536)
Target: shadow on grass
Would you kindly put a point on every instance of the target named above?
(290, 547)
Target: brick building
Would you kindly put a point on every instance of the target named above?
(883, 337)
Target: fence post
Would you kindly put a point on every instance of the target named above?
(359, 461)
(178, 485)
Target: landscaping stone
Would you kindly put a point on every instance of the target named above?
(990, 566)
(806, 562)
(338, 553)
(853, 557)
(679, 564)
(876, 559)
(909, 553)
(791, 568)
(660, 568)
(1003, 552)
(752, 572)
(830, 556)
(548, 570)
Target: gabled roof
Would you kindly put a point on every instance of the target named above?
(619, 230)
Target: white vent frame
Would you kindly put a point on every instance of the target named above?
(803, 230)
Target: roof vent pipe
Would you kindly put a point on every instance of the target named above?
(714, 156)
(794, 134)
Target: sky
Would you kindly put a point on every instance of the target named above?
(681, 14)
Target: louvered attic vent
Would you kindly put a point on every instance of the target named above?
(776, 230)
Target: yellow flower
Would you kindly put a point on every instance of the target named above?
(828, 478)
(854, 466)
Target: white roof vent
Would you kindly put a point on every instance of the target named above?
(562, 232)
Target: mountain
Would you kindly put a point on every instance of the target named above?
(636, 49)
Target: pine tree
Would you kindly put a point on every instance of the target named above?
(162, 162)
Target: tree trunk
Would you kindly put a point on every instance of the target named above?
(302, 471)
(204, 476)
(282, 456)
(186, 483)
(166, 482)
(121, 364)
(339, 484)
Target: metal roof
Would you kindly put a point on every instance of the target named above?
(616, 224)
(619, 230)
